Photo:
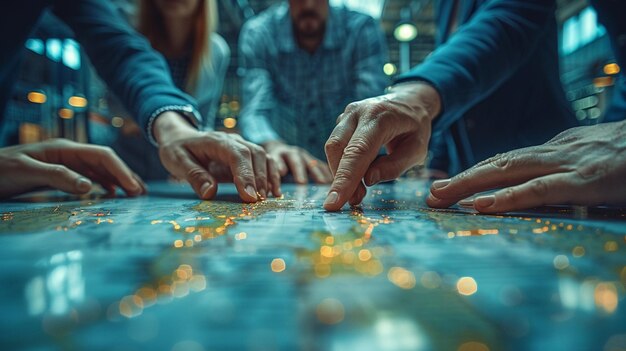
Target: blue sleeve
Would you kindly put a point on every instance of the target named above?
(136, 73)
(483, 54)
(257, 88)
(371, 55)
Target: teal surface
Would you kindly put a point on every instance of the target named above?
(167, 271)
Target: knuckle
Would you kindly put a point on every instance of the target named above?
(502, 161)
(539, 188)
(334, 144)
(357, 148)
(57, 171)
(195, 174)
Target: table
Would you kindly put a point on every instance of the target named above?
(167, 271)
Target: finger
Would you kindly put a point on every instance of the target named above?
(554, 189)
(358, 195)
(259, 162)
(338, 140)
(280, 164)
(314, 168)
(297, 166)
(55, 176)
(242, 168)
(144, 188)
(103, 160)
(202, 182)
(273, 176)
(357, 157)
(392, 166)
(497, 172)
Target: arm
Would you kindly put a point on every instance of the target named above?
(124, 59)
(256, 86)
(483, 53)
(371, 55)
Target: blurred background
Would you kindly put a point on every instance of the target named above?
(59, 94)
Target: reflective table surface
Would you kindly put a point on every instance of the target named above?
(167, 271)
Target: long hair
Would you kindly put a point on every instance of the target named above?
(150, 23)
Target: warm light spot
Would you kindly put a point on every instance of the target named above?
(605, 296)
(66, 113)
(487, 231)
(190, 229)
(326, 251)
(77, 101)
(430, 280)
(197, 238)
(365, 255)
(329, 240)
(278, 265)
(330, 311)
(117, 122)
(241, 236)
(230, 122)
(390, 69)
(178, 243)
(36, 97)
(467, 286)
(610, 246)
(603, 82)
(561, 262)
(611, 68)
(578, 251)
(189, 243)
(401, 277)
(473, 346)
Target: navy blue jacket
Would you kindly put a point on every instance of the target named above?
(133, 71)
(498, 77)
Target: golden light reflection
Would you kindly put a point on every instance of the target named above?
(401, 277)
(578, 251)
(37, 97)
(278, 265)
(605, 296)
(466, 286)
(473, 346)
(77, 101)
(330, 311)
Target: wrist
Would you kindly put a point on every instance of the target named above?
(169, 126)
(419, 95)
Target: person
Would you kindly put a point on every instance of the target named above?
(581, 166)
(302, 61)
(139, 76)
(491, 86)
(197, 57)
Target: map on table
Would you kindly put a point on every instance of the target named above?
(170, 272)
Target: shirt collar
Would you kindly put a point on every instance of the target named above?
(287, 41)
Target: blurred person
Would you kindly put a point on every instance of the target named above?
(183, 31)
(581, 166)
(140, 78)
(303, 62)
(492, 85)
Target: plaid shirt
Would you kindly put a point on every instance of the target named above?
(294, 96)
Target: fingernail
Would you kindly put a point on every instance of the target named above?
(250, 190)
(485, 201)
(204, 190)
(263, 194)
(466, 203)
(374, 177)
(332, 198)
(83, 184)
(438, 184)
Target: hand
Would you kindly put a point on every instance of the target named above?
(581, 166)
(400, 121)
(300, 162)
(64, 165)
(206, 158)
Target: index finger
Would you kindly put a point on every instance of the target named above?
(356, 159)
(503, 170)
